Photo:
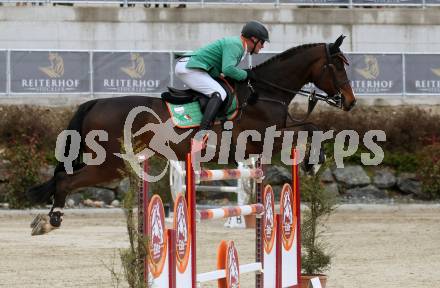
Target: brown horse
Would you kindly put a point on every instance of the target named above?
(277, 81)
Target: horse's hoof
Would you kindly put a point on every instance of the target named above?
(38, 218)
(41, 225)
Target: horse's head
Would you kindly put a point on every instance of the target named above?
(329, 75)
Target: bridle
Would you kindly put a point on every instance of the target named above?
(313, 97)
(337, 97)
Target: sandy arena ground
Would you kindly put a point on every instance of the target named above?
(373, 245)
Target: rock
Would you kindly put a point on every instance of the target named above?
(368, 192)
(277, 190)
(327, 176)
(332, 188)
(95, 204)
(75, 198)
(99, 194)
(277, 175)
(115, 203)
(122, 188)
(352, 176)
(70, 203)
(408, 185)
(407, 175)
(384, 179)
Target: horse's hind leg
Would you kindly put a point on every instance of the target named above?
(65, 183)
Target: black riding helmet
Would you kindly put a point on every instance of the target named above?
(255, 29)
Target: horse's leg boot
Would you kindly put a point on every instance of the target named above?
(43, 224)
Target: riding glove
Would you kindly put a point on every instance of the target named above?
(250, 74)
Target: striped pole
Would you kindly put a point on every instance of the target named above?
(227, 174)
(226, 212)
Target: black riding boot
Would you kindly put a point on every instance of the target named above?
(211, 110)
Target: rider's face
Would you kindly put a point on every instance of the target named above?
(259, 45)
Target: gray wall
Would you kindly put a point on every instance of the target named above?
(138, 28)
(369, 30)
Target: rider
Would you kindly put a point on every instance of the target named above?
(220, 58)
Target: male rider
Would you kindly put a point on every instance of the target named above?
(217, 59)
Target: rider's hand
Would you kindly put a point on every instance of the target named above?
(250, 74)
(252, 99)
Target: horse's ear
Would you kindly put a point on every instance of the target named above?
(339, 41)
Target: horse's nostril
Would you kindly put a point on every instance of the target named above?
(352, 105)
(349, 106)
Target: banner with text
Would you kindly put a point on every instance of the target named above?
(3, 71)
(324, 2)
(130, 72)
(375, 74)
(422, 73)
(50, 72)
(387, 2)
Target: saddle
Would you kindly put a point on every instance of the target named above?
(186, 107)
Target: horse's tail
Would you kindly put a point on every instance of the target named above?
(42, 193)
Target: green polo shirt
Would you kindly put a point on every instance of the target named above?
(221, 56)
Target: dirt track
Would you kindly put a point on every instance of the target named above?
(373, 246)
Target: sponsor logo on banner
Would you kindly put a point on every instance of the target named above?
(288, 217)
(158, 240)
(53, 80)
(436, 71)
(432, 85)
(3, 73)
(232, 266)
(423, 73)
(135, 70)
(181, 226)
(370, 80)
(403, 2)
(269, 219)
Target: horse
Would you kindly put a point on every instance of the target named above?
(277, 81)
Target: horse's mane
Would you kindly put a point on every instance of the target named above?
(287, 54)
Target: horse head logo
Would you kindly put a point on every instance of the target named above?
(436, 71)
(137, 68)
(371, 69)
(56, 67)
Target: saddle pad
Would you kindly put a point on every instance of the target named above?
(189, 115)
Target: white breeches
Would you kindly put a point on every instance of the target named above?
(198, 79)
